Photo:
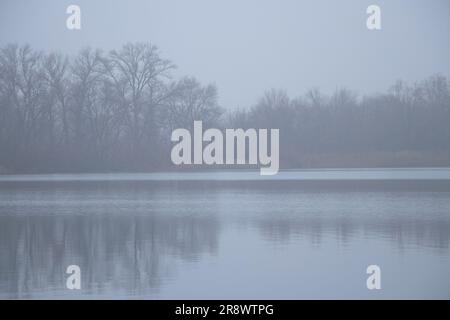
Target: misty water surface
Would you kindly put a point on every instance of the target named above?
(227, 235)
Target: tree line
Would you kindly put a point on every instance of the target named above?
(115, 111)
(95, 112)
(409, 125)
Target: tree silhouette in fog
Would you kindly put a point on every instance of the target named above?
(114, 111)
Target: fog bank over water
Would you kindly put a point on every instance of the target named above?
(340, 175)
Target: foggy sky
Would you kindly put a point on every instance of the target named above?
(249, 46)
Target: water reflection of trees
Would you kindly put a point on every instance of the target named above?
(121, 253)
(403, 231)
(130, 238)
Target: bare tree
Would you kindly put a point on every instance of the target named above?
(21, 79)
(139, 73)
(56, 76)
(190, 101)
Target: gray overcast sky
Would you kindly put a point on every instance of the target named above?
(249, 46)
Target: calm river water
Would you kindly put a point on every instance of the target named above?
(232, 235)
